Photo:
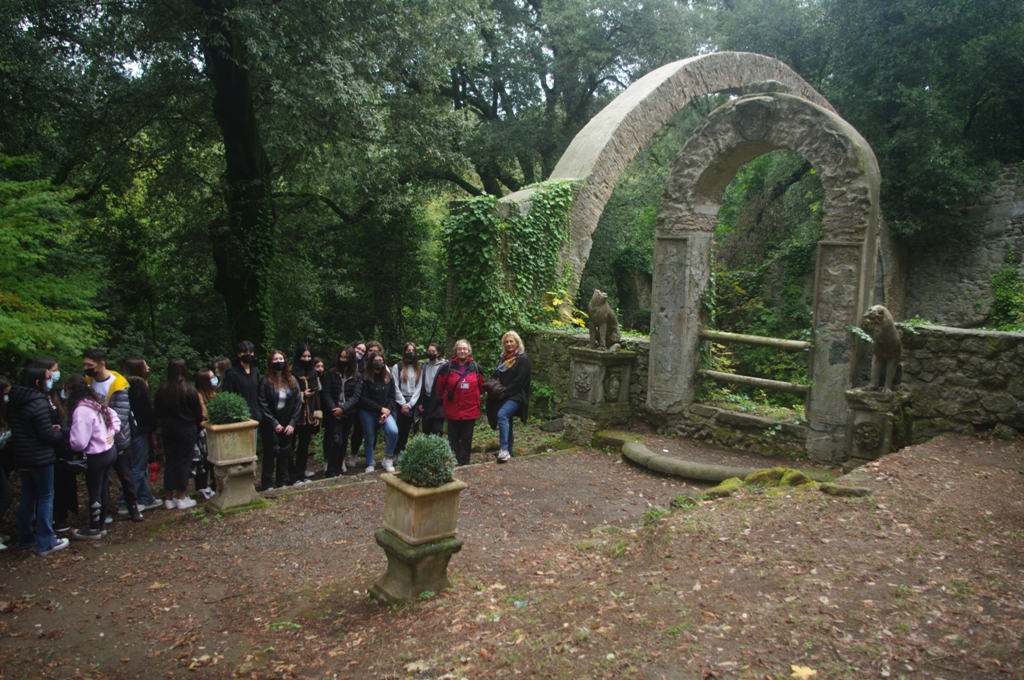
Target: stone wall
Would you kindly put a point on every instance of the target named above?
(948, 282)
(963, 380)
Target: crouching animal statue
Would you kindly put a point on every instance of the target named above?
(604, 327)
(886, 347)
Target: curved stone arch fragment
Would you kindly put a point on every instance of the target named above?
(732, 135)
(603, 149)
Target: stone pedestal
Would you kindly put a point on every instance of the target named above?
(878, 423)
(598, 391)
(236, 483)
(413, 569)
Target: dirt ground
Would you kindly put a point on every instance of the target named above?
(574, 565)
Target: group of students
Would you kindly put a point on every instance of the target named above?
(105, 421)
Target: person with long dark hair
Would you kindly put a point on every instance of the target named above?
(180, 414)
(33, 436)
(459, 384)
(359, 348)
(93, 426)
(221, 366)
(65, 475)
(408, 377)
(343, 387)
(310, 415)
(280, 405)
(203, 467)
(6, 497)
(431, 406)
(376, 409)
(143, 425)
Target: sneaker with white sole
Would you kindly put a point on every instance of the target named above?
(151, 506)
(109, 519)
(122, 510)
(310, 473)
(186, 503)
(369, 469)
(57, 547)
(207, 493)
(170, 504)
(503, 456)
(389, 466)
(88, 534)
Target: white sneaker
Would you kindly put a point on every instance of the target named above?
(369, 469)
(344, 468)
(207, 493)
(170, 504)
(2, 547)
(186, 503)
(310, 473)
(57, 547)
(108, 520)
(503, 456)
(389, 466)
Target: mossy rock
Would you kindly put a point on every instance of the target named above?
(491, 445)
(794, 478)
(726, 488)
(767, 477)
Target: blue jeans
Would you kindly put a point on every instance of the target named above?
(505, 435)
(37, 502)
(140, 472)
(369, 420)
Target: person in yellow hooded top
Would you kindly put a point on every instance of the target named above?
(112, 388)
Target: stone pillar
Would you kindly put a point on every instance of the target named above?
(236, 483)
(598, 391)
(879, 423)
(413, 569)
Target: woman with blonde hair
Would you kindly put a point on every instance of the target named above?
(513, 372)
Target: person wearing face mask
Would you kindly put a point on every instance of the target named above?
(33, 436)
(244, 378)
(202, 467)
(309, 419)
(357, 426)
(431, 407)
(281, 406)
(65, 475)
(459, 384)
(220, 369)
(408, 377)
(142, 421)
(181, 416)
(376, 409)
(343, 387)
(112, 387)
(93, 426)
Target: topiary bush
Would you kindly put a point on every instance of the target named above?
(428, 461)
(227, 407)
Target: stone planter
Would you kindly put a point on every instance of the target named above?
(231, 442)
(419, 537)
(232, 450)
(418, 515)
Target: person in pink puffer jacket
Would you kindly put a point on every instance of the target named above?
(93, 427)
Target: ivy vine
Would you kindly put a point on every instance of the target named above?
(502, 266)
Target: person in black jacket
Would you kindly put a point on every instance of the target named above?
(180, 414)
(33, 436)
(431, 406)
(280, 405)
(243, 378)
(65, 477)
(513, 372)
(143, 425)
(309, 418)
(376, 406)
(343, 387)
(6, 497)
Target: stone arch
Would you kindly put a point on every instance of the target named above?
(601, 151)
(729, 137)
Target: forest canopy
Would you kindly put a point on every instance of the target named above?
(180, 175)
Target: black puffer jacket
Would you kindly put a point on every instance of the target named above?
(377, 394)
(341, 392)
(32, 434)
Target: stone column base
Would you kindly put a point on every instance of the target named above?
(236, 484)
(413, 569)
(879, 423)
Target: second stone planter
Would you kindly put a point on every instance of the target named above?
(419, 515)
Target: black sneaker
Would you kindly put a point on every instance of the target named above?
(88, 534)
(59, 527)
(135, 514)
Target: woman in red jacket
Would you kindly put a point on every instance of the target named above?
(459, 384)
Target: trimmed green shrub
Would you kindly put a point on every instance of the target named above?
(428, 461)
(227, 407)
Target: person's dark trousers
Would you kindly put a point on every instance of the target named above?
(357, 435)
(6, 497)
(65, 493)
(277, 449)
(432, 425)
(460, 437)
(405, 423)
(335, 441)
(97, 479)
(303, 435)
(125, 475)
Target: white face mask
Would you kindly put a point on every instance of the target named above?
(6, 398)
(215, 380)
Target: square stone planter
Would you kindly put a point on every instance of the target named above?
(226, 444)
(418, 515)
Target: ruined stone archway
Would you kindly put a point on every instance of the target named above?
(601, 151)
(730, 136)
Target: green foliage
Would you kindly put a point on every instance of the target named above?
(1007, 311)
(227, 407)
(46, 292)
(427, 461)
(504, 266)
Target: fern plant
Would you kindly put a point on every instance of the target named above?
(428, 461)
(227, 407)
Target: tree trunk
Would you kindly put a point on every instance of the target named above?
(242, 242)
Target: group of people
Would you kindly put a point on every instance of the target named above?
(105, 421)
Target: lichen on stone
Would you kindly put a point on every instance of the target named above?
(726, 488)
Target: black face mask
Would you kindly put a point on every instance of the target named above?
(305, 363)
(246, 359)
(90, 372)
(410, 356)
(378, 367)
(431, 355)
(278, 365)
